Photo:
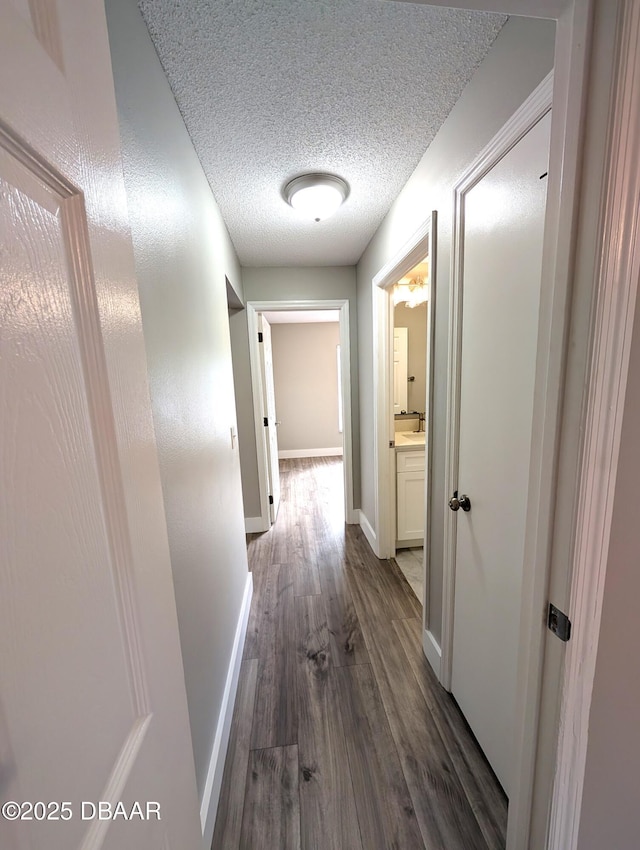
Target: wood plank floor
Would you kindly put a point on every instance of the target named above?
(342, 738)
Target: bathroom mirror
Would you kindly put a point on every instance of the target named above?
(410, 296)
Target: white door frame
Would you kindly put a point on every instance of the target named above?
(617, 270)
(342, 305)
(416, 248)
(272, 464)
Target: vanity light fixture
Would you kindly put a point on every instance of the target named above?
(316, 196)
(411, 292)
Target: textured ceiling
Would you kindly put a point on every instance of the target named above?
(272, 88)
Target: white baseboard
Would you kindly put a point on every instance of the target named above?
(432, 651)
(286, 453)
(211, 794)
(254, 524)
(369, 533)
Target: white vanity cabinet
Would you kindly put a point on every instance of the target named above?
(410, 513)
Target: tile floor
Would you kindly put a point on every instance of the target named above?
(410, 562)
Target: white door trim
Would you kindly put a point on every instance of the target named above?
(270, 416)
(415, 249)
(257, 392)
(342, 305)
(618, 272)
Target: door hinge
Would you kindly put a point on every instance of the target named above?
(270, 500)
(558, 623)
(260, 337)
(265, 421)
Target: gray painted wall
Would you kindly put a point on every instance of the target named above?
(305, 373)
(519, 59)
(288, 284)
(182, 253)
(611, 798)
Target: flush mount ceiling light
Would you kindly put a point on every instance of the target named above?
(316, 196)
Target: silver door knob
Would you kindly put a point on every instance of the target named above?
(456, 502)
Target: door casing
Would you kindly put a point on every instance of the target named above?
(342, 305)
(419, 245)
(270, 414)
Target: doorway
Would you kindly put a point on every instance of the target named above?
(402, 458)
(262, 312)
(410, 305)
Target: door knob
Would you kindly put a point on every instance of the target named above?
(457, 502)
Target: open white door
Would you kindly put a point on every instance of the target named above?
(502, 235)
(271, 423)
(92, 700)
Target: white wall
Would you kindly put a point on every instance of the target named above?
(611, 797)
(289, 284)
(305, 372)
(183, 253)
(519, 59)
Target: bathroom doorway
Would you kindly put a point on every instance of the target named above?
(404, 305)
(410, 302)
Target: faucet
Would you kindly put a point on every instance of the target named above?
(421, 421)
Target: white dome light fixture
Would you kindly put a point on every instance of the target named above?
(316, 196)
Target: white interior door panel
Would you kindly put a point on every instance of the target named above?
(92, 701)
(273, 462)
(503, 234)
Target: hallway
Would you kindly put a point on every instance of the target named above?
(342, 739)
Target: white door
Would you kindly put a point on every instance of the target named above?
(503, 233)
(92, 700)
(400, 369)
(273, 467)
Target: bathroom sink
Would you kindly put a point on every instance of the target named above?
(405, 438)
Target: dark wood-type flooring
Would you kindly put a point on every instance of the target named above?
(342, 738)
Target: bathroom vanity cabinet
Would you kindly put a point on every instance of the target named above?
(410, 471)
